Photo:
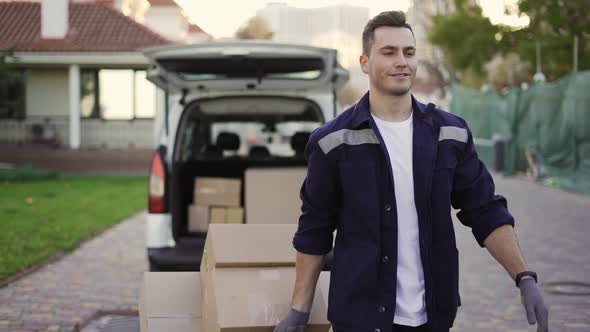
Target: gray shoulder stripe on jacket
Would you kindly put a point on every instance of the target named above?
(349, 137)
(456, 133)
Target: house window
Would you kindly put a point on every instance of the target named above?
(88, 94)
(116, 94)
(12, 94)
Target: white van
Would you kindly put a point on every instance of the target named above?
(230, 106)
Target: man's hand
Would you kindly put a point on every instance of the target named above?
(294, 321)
(536, 311)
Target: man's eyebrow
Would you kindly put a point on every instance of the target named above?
(391, 47)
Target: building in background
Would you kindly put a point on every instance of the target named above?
(339, 27)
(419, 15)
(75, 72)
(169, 20)
(162, 16)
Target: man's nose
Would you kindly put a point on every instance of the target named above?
(400, 62)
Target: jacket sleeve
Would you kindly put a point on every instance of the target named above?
(474, 195)
(320, 200)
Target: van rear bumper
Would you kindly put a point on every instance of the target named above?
(185, 256)
(158, 230)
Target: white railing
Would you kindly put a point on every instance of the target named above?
(136, 133)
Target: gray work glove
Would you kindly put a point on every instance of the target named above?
(536, 311)
(294, 321)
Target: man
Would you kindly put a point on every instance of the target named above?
(384, 174)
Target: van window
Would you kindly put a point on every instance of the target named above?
(277, 138)
(246, 127)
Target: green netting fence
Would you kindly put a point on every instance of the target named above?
(545, 127)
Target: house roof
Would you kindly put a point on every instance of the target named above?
(93, 27)
(163, 3)
(194, 28)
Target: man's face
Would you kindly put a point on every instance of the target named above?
(391, 64)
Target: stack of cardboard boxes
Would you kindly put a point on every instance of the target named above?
(247, 270)
(216, 200)
(271, 197)
(245, 284)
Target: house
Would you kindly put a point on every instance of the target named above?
(73, 74)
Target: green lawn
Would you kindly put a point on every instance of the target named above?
(40, 218)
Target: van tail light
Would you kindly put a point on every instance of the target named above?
(157, 185)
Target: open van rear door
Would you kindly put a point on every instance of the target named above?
(244, 65)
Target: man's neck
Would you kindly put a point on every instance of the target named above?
(390, 108)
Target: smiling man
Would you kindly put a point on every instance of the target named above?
(385, 174)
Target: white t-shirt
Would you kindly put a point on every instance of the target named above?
(410, 308)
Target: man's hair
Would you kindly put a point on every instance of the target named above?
(394, 18)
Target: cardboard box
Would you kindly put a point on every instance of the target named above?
(170, 301)
(324, 285)
(198, 218)
(226, 215)
(217, 215)
(254, 299)
(217, 191)
(272, 195)
(243, 245)
(234, 215)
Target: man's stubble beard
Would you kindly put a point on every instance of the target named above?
(400, 92)
(396, 91)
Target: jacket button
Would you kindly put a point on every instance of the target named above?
(382, 309)
(377, 330)
(385, 259)
(387, 207)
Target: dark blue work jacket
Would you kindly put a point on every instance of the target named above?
(350, 188)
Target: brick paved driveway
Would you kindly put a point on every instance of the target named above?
(103, 274)
(553, 227)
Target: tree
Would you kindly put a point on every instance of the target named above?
(4, 56)
(11, 87)
(468, 40)
(255, 28)
(553, 24)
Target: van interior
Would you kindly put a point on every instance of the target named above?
(222, 137)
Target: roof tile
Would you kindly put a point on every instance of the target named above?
(93, 27)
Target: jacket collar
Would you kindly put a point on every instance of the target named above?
(362, 113)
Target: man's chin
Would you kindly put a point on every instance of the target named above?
(398, 92)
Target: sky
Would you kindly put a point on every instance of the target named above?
(221, 18)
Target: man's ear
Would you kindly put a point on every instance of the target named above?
(363, 60)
